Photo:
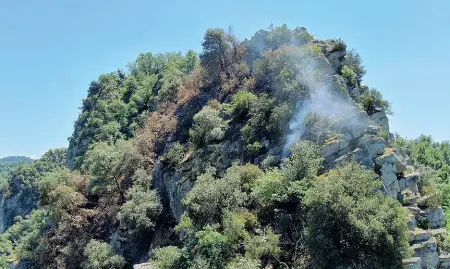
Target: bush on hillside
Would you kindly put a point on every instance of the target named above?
(351, 223)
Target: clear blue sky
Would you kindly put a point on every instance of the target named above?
(51, 50)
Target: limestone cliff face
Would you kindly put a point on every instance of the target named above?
(15, 204)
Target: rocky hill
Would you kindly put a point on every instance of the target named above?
(265, 153)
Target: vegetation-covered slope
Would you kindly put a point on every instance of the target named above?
(266, 153)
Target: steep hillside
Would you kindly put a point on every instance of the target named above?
(266, 153)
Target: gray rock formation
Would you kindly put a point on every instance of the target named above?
(436, 218)
(444, 261)
(14, 205)
(427, 251)
(380, 119)
(143, 266)
(412, 263)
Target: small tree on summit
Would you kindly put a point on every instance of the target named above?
(373, 102)
(222, 56)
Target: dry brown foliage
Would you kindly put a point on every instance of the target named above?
(190, 87)
(159, 126)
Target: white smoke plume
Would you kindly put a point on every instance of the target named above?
(326, 100)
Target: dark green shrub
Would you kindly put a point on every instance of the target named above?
(210, 197)
(175, 155)
(353, 60)
(209, 127)
(423, 223)
(265, 245)
(352, 223)
(373, 102)
(270, 162)
(253, 149)
(270, 189)
(244, 263)
(213, 247)
(339, 45)
(141, 210)
(384, 134)
(236, 225)
(279, 36)
(278, 121)
(100, 255)
(304, 162)
(167, 257)
(242, 102)
(349, 74)
(259, 117)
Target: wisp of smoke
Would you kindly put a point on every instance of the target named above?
(324, 101)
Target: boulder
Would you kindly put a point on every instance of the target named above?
(355, 94)
(380, 119)
(409, 182)
(421, 235)
(412, 222)
(356, 124)
(438, 232)
(393, 189)
(406, 197)
(444, 260)
(393, 159)
(370, 147)
(427, 253)
(388, 175)
(373, 129)
(335, 58)
(412, 263)
(405, 157)
(143, 266)
(416, 211)
(174, 188)
(389, 179)
(435, 217)
(331, 148)
(343, 144)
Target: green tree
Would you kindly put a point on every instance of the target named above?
(213, 246)
(25, 235)
(110, 165)
(352, 223)
(167, 257)
(265, 245)
(279, 36)
(191, 62)
(141, 209)
(50, 181)
(244, 263)
(304, 162)
(354, 61)
(373, 102)
(242, 102)
(210, 197)
(208, 127)
(270, 189)
(100, 255)
(221, 55)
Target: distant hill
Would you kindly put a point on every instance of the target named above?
(11, 162)
(16, 159)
